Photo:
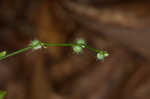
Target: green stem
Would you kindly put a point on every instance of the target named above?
(61, 44)
(48, 45)
(92, 49)
(72, 44)
(15, 53)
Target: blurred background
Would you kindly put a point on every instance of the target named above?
(119, 26)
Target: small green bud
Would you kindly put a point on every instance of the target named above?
(81, 41)
(3, 53)
(42, 44)
(77, 49)
(80, 44)
(2, 94)
(106, 54)
(36, 44)
(102, 54)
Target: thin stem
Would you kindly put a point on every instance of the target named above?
(92, 49)
(72, 44)
(60, 44)
(48, 45)
(16, 52)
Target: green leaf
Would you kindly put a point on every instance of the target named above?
(2, 94)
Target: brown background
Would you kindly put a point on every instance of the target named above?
(119, 26)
